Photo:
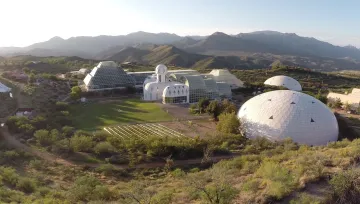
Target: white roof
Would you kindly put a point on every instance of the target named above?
(223, 75)
(175, 90)
(285, 113)
(284, 81)
(4, 89)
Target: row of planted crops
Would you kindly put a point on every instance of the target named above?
(142, 131)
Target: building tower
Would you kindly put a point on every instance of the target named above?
(161, 71)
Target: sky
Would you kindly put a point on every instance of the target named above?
(24, 22)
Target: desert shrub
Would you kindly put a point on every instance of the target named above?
(104, 148)
(43, 137)
(305, 199)
(67, 131)
(228, 123)
(194, 170)
(81, 143)
(106, 169)
(163, 197)
(26, 185)
(310, 167)
(178, 173)
(62, 147)
(11, 196)
(102, 193)
(100, 136)
(279, 181)
(36, 164)
(9, 175)
(9, 156)
(83, 188)
(252, 185)
(346, 186)
(43, 191)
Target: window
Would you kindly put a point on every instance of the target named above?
(271, 117)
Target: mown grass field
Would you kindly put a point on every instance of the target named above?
(94, 116)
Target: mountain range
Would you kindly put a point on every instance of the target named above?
(262, 47)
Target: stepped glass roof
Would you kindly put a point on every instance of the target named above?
(108, 75)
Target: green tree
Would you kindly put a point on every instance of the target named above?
(202, 104)
(228, 107)
(321, 97)
(75, 92)
(81, 143)
(31, 78)
(228, 123)
(43, 138)
(26, 70)
(214, 109)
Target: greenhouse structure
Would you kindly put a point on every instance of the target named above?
(181, 85)
(106, 76)
(163, 85)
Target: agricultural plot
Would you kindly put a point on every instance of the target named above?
(142, 131)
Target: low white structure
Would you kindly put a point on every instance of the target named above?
(176, 93)
(353, 98)
(4, 89)
(284, 81)
(277, 115)
(223, 75)
(153, 90)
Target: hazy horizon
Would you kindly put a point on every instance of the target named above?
(40, 20)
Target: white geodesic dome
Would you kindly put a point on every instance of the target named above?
(285, 113)
(284, 81)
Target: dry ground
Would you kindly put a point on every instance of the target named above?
(192, 128)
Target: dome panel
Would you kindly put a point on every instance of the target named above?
(285, 113)
(284, 81)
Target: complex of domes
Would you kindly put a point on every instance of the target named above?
(284, 81)
(285, 113)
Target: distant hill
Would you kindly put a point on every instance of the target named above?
(260, 47)
(172, 55)
(271, 42)
(292, 44)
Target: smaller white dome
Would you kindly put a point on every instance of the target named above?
(284, 81)
(161, 69)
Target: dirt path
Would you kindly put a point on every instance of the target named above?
(12, 141)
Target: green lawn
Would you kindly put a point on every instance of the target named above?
(94, 116)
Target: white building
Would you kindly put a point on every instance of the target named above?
(284, 81)
(353, 98)
(176, 93)
(223, 75)
(284, 113)
(4, 89)
(153, 90)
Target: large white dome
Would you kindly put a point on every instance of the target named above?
(284, 81)
(285, 113)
